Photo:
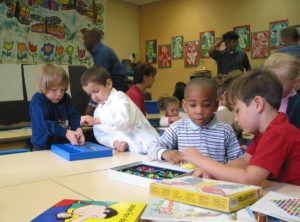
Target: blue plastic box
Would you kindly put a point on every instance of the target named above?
(87, 151)
(151, 107)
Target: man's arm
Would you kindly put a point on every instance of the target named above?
(213, 47)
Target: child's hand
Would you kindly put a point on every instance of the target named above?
(121, 146)
(175, 118)
(200, 173)
(89, 120)
(172, 156)
(190, 153)
(80, 136)
(72, 137)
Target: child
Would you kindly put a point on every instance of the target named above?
(118, 122)
(179, 91)
(286, 68)
(143, 78)
(275, 150)
(53, 117)
(171, 106)
(213, 138)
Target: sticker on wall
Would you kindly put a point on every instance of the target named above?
(151, 51)
(177, 47)
(207, 39)
(164, 56)
(260, 44)
(275, 29)
(244, 37)
(191, 53)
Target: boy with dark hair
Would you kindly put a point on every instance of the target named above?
(274, 152)
(230, 58)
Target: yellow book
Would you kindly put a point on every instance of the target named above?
(208, 193)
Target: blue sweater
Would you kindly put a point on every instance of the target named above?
(47, 118)
(293, 110)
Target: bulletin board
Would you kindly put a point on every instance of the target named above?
(42, 31)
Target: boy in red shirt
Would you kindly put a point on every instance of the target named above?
(274, 152)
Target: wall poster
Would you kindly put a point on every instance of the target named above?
(275, 28)
(260, 44)
(164, 56)
(244, 39)
(191, 53)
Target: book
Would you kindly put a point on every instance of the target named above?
(208, 193)
(87, 151)
(278, 205)
(84, 210)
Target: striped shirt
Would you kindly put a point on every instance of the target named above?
(215, 140)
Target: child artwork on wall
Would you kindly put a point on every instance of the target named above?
(151, 51)
(177, 47)
(275, 29)
(164, 56)
(206, 40)
(260, 44)
(298, 28)
(191, 53)
(244, 39)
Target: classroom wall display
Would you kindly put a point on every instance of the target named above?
(274, 29)
(191, 53)
(177, 47)
(41, 31)
(164, 56)
(206, 40)
(260, 44)
(151, 51)
(244, 39)
(298, 28)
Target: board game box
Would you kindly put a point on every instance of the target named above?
(87, 151)
(142, 173)
(208, 193)
(84, 210)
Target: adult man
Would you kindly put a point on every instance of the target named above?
(290, 37)
(230, 58)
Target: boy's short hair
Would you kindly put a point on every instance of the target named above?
(96, 74)
(202, 82)
(285, 61)
(231, 35)
(164, 100)
(52, 75)
(95, 34)
(141, 70)
(255, 82)
(290, 32)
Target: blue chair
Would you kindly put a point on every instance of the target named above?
(13, 151)
(151, 107)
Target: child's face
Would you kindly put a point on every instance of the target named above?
(172, 109)
(245, 116)
(99, 93)
(55, 93)
(200, 103)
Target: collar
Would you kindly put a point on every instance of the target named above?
(292, 93)
(232, 52)
(212, 124)
(109, 99)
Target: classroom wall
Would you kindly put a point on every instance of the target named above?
(169, 18)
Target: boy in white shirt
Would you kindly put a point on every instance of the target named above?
(118, 122)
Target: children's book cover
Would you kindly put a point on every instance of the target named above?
(208, 193)
(279, 206)
(91, 211)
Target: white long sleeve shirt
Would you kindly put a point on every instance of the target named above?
(122, 120)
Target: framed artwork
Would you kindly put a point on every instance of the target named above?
(206, 40)
(244, 39)
(298, 28)
(164, 56)
(177, 47)
(260, 47)
(222, 46)
(151, 51)
(275, 28)
(191, 53)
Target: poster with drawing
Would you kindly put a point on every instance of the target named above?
(177, 47)
(164, 56)
(206, 40)
(260, 44)
(191, 53)
(275, 29)
(151, 51)
(41, 31)
(298, 28)
(244, 39)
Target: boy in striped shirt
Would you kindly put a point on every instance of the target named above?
(202, 130)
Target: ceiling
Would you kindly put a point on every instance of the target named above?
(141, 2)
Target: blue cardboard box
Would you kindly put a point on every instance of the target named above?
(87, 151)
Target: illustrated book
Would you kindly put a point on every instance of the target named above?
(82, 210)
(208, 193)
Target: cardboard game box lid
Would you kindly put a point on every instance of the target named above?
(87, 151)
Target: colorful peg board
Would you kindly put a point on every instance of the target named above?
(290, 206)
(143, 173)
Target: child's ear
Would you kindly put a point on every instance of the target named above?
(259, 104)
(296, 83)
(184, 105)
(109, 83)
(217, 106)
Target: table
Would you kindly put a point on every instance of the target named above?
(32, 182)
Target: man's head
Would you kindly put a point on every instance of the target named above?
(91, 38)
(200, 100)
(289, 35)
(231, 40)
